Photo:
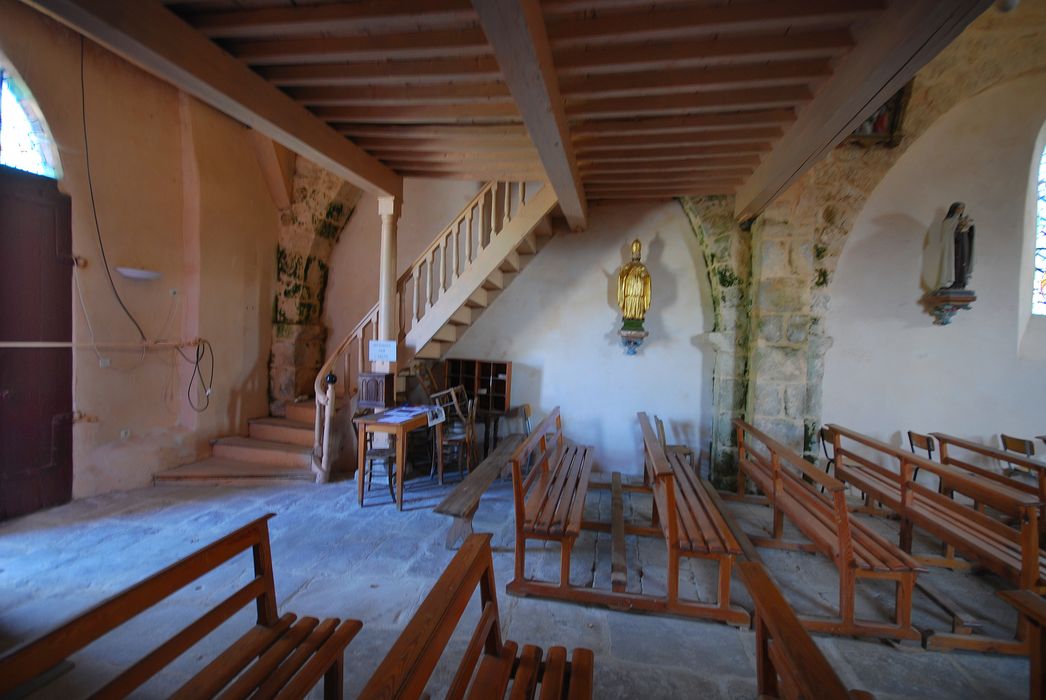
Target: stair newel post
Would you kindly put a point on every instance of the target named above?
(328, 416)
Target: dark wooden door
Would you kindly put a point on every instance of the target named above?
(36, 385)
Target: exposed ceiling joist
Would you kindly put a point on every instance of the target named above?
(430, 70)
(516, 30)
(403, 15)
(406, 45)
(688, 103)
(687, 123)
(150, 36)
(893, 47)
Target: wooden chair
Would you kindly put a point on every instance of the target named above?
(918, 441)
(489, 664)
(1020, 446)
(277, 657)
(459, 431)
(684, 451)
(385, 455)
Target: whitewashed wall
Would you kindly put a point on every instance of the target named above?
(558, 324)
(890, 369)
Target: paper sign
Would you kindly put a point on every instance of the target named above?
(382, 351)
(436, 415)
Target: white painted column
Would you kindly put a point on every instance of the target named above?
(388, 325)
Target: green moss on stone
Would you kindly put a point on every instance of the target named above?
(820, 251)
(821, 277)
(727, 277)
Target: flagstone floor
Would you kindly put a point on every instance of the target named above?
(333, 558)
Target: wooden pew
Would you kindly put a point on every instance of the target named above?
(692, 525)
(1032, 609)
(462, 503)
(950, 444)
(277, 654)
(858, 552)
(549, 501)
(1011, 553)
(788, 662)
(489, 664)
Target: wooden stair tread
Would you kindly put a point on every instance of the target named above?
(219, 468)
(237, 441)
(281, 422)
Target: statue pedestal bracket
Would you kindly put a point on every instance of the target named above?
(632, 336)
(943, 304)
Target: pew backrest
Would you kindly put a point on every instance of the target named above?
(948, 456)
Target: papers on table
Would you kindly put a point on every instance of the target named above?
(402, 414)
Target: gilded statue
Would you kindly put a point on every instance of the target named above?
(633, 289)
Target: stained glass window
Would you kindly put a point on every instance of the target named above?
(1038, 297)
(25, 143)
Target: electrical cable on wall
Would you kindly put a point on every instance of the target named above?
(203, 348)
(94, 208)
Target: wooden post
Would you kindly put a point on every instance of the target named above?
(388, 210)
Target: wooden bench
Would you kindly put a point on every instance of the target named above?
(549, 501)
(789, 664)
(885, 472)
(1032, 608)
(489, 664)
(692, 524)
(858, 552)
(278, 657)
(462, 503)
(949, 446)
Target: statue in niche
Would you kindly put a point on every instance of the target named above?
(633, 297)
(949, 266)
(956, 245)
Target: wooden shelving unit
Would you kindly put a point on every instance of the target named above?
(490, 383)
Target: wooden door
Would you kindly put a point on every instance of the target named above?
(36, 390)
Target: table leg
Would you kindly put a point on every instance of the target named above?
(361, 462)
(439, 452)
(401, 463)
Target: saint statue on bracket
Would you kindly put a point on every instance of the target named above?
(948, 265)
(633, 297)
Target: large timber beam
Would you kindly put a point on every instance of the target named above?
(148, 35)
(516, 30)
(889, 52)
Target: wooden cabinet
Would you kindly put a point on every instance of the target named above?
(490, 383)
(377, 390)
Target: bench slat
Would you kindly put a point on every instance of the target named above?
(494, 673)
(582, 662)
(580, 491)
(543, 489)
(695, 526)
(553, 681)
(569, 467)
(527, 673)
(462, 501)
(249, 681)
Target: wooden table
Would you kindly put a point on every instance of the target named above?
(373, 424)
(1032, 608)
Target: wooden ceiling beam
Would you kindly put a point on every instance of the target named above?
(474, 175)
(406, 45)
(677, 152)
(422, 114)
(524, 165)
(667, 188)
(689, 103)
(419, 146)
(431, 70)
(711, 78)
(690, 165)
(401, 157)
(151, 37)
(368, 16)
(661, 23)
(695, 122)
(676, 54)
(737, 175)
(496, 133)
(623, 195)
(400, 94)
(893, 47)
(516, 31)
(631, 143)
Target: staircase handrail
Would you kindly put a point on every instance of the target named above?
(320, 385)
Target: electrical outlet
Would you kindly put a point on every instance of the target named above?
(125, 434)
(103, 362)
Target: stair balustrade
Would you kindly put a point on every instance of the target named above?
(451, 257)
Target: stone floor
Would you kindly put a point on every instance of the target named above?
(333, 558)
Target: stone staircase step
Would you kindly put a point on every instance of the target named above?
(263, 452)
(217, 471)
(305, 411)
(275, 429)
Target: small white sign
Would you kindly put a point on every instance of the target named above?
(436, 414)
(382, 351)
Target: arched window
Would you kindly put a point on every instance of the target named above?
(25, 142)
(1038, 294)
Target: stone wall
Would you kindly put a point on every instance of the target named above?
(794, 246)
(321, 205)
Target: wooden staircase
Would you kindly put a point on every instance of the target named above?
(441, 294)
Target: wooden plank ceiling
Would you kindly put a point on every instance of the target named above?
(662, 98)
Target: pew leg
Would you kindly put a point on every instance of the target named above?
(673, 576)
(766, 676)
(726, 565)
(906, 535)
(564, 562)
(778, 523)
(903, 602)
(459, 530)
(521, 555)
(847, 595)
(334, 679)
